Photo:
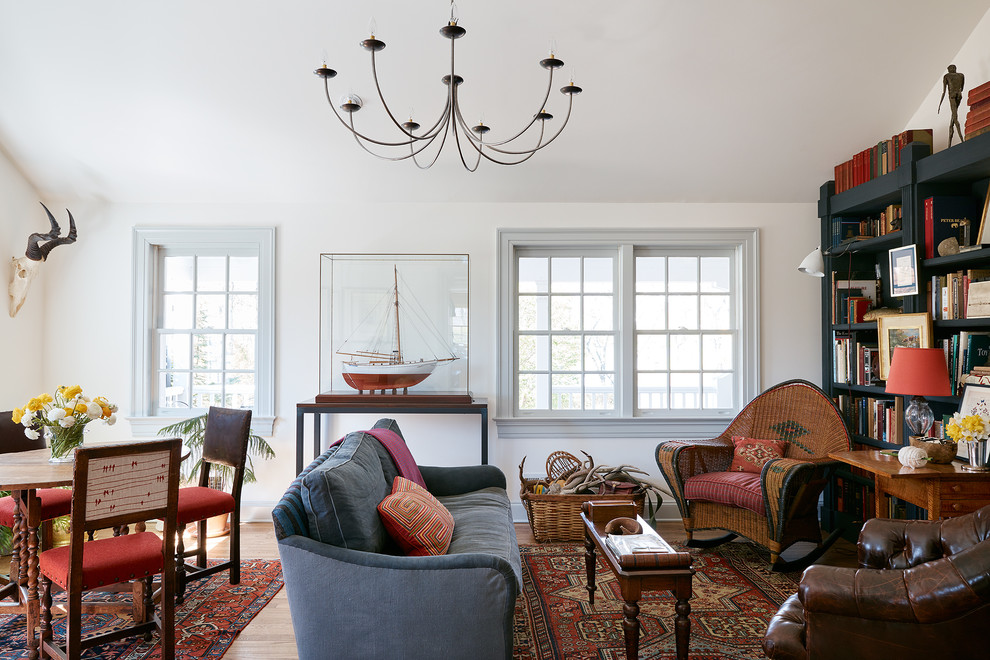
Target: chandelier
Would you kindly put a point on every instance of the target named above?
(451, 121)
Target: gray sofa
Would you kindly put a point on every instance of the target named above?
(353, 595)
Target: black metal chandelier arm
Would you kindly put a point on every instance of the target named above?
(481, 154)
(439, 149)
(460, 152)
(358, 137)
(388, 111)
(541, 144)
(351, 128)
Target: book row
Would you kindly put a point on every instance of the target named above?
(967, 356)
(964, 294)
(880, 159)
(852, 298)
(857, 229)
(948, 219)
(880, 419)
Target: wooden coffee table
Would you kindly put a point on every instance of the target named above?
(670, 571)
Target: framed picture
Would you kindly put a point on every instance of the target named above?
(911, 330)
(983, 236)
(975, 401)
(904, 270)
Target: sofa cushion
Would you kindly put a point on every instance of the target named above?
(483, 524)
(416, 520)
(750, 454)
(740, 489)
(341, 496)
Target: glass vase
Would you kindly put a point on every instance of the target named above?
(64, 442)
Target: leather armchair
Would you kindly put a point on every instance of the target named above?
(922, 591)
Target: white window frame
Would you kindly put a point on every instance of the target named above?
(147, 242)
(624, 421)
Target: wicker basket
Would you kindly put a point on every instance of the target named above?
(556, 518)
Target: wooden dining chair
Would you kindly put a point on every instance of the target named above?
(55, 502)
(225, 442)
(113, 486)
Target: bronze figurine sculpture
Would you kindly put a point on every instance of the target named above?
(954, 83)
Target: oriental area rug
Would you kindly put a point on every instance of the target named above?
(734, 596)
(213, 613)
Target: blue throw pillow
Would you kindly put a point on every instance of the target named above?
(341, 496)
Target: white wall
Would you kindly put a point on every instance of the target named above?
(21, 337)
(94, 350)
(973, 61)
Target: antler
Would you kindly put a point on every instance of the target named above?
(37, 252)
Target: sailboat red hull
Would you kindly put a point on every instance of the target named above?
(372, 382)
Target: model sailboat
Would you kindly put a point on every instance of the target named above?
(382, 365)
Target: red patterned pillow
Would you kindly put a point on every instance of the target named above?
(750, 454)
(416, 520)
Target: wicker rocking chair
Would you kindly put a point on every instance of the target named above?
(782, 507)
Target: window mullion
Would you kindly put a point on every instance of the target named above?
(625, 320)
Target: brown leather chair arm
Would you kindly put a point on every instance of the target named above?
(929, 593)
(785, 636)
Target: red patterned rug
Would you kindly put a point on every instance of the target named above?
(213, 613)
(734, 596)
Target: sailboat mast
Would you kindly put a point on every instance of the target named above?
(398, 338)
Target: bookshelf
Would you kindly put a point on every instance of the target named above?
(962, 170)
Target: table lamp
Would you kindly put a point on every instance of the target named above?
(918, 372)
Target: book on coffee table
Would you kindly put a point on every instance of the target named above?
(630, 544)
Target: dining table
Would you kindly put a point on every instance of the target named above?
(23, 473)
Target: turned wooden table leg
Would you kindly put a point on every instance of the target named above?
(33, 603)
(589, 567)
(630, 625)
(682, 627)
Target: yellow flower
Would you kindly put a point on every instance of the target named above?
(72, 392)
(68, 410)
(18, 415)
(35, 404)
(45, 398)
(106, 412)
(81, 408)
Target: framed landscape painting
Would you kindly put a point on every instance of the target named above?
(910, 330)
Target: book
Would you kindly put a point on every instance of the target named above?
(978, 302)
(949, 216)
(629, 544)
(857, 307)
(978, 93)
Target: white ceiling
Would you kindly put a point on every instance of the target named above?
(686, 100)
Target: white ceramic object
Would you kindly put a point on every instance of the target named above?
(912, 457)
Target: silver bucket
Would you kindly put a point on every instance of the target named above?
(978, 459)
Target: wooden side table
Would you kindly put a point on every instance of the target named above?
(945, 491)
(669, 571)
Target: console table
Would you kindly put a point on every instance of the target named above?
(945, 491)
(425, 404)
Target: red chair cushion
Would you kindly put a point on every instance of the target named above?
(741, 489)
(55, 503)
(750, 454)
(199, 503)
(106, 561)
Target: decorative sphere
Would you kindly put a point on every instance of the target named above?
(912, 457)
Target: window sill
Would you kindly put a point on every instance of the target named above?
(147, 427)
(615, 427)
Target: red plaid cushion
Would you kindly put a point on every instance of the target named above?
(740, 489)
(750, 454)
(416, 520)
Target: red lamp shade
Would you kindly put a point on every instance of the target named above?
(918, 372)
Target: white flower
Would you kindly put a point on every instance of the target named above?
(94, 410)
(31, 433)
(111, 420)
(113, 407)
(67, 421)
(28, 418)
(56, 414)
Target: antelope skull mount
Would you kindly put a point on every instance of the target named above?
(24, 269)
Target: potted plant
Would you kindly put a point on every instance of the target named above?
(192, 432)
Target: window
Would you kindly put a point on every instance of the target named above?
(612, 332)
(203, 326)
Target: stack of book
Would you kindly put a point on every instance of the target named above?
(978, 118)
(880, 159)
(852, 298)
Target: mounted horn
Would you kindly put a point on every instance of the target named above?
(37, 252)
(24, 269)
